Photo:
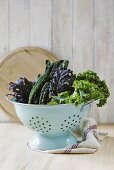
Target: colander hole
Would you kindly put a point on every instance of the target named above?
(29, 120)
(33, 127)
(66, 126)
(71, 123)
(69, 117)
(61, 128)
(74, 125)
(37, 117)
(61, 124)
(78, 116)
(32, 117)
(38, 122)
(46, 121)
(42, 131)
(69, 127)
(39, 125)
(79, 121)
(38, 130)
(36, 127)
(68, 122)
(73, 120)
(42, 118)
(49, 128)
(47, 131)
(74, 115)
(64, 120)
(34, 123)
(42, 123)
(49, 125)
(44, 127)
(30, 124)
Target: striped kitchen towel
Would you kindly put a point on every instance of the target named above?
(88, 139)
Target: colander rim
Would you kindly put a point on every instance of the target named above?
(44, 105)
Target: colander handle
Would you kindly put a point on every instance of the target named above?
(82, 108)
(8, 97)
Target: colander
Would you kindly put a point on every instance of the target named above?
(53, 125)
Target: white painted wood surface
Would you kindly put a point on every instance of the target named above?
(4, 27)
(79, 30)
(18, 23)
(40, 23)
(62, 29)
(104, 53)
(82, 35)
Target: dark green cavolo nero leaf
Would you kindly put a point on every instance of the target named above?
(44, 94)
(46, 77)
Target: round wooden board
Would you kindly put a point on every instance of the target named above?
(28, 62)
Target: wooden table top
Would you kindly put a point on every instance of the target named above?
(14, 155)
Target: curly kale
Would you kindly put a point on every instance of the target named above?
(86, 91)
(87, 88)
(89, 76)
(20, 89)
(61, 98)
(92, 77)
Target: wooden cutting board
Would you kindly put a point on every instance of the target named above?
(28, 62)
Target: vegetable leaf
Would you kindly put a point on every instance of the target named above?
(87, 87)
(21, 89)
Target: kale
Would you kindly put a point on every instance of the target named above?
(20, 89)
(87, 88)
(62, 81)
(58, 85)
(92, 77)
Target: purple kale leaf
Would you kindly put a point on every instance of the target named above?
(62, 81)
(21, 89)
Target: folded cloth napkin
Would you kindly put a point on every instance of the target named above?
(88, 139)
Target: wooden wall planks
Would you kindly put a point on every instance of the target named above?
(104, 53)
(40, 23)
(62, 29)
(4, 27)
(19, 23)
(79, 30)
(82, 35)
